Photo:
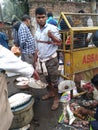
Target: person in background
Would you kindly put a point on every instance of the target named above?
(9, 62)
(15, 28)
(50, 19)
(4, 40)
(47, 41)
(89, 23)
(63, 25)
(91, 113)
(26, 41)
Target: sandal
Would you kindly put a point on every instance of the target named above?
(55, 105)
(47, 96)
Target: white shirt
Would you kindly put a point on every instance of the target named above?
(44, 49)
(11, 63)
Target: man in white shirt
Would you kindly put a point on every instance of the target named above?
(9, 62)
(47, 41)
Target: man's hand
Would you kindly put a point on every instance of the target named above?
(50, 34)
(55, 40)
(36, 75)
(87, 40)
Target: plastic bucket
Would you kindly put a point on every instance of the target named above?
(23, 114)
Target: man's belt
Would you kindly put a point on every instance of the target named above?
(50, 57)
(47, 42)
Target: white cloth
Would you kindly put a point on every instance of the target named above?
(89, 24)
(44, 68)
(11, 63)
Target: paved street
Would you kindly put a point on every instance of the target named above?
(44, 118)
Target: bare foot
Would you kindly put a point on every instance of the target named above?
(55, 104)
(48, 96)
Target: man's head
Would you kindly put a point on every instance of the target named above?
(40, 14)
(50, 14)
(26, 19)
(94, 81)
(81, 11)
(14, 21)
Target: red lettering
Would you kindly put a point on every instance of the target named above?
(96, 57)
(84, 60)
(90, 58)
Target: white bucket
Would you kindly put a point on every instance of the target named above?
(22, 110)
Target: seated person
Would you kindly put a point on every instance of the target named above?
(87, 112)
(79, 38)
(63, 25)
(79, 41)
(95, 38)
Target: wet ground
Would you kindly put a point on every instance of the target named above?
(44, 118)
